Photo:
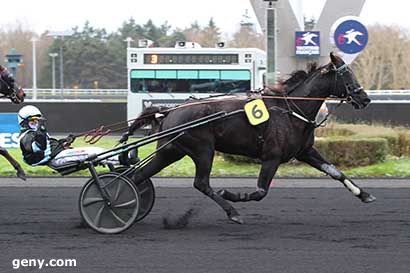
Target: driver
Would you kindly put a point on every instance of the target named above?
(38, 148)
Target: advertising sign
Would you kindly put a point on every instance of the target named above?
(161, 102)
(351, 36)
(9, 130)
(307, 43)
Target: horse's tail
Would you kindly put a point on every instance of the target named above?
(150, 116)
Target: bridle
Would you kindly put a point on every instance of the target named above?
(350, 88)
(346, 96)
(13, 94)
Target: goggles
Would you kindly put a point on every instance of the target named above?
(34, 118)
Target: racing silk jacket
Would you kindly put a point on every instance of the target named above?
(38, 148)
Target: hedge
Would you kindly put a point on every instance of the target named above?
(403, 143)
(353, 152)
(398, 139)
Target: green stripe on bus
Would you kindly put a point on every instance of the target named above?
(209, 74)
(235, 75)
(142, 74)
(187, 74)
(166, 74)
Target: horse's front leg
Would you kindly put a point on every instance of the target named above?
(312, 157)
(266, 174)
(20, 172)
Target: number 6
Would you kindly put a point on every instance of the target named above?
(257, 113)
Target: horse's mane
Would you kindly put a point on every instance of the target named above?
(294, 80)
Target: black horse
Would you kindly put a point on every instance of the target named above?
(288, 134)
(9, 90)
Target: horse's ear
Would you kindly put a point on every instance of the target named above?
(336, 60)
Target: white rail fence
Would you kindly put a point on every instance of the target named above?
(389, 92)
(121, 94)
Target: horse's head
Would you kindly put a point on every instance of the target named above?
(12, 91)
(345, 83)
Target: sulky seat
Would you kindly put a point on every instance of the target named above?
(68, 168)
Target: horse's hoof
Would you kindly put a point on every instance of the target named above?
(366, 197)
(236, 219)
(21, 174)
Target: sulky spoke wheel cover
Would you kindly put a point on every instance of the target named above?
(116, 215)
(146, 191)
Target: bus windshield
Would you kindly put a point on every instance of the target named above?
(190, 81)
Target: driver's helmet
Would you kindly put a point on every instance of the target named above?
(28, 114)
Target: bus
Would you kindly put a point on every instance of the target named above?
(169, 76)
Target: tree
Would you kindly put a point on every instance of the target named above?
(18, 36)
(93, 58)
(154, 33)
(205, 36)
(385, 65)
(210, 35)
(88, 62)
(171, 39)
(246, 36)
(193, 33)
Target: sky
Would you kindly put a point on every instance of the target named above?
(42, 15)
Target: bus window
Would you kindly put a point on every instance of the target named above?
(190, 81)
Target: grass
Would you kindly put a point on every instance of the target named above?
(392, 167)
(389, 168)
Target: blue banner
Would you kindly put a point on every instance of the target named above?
(9, 130)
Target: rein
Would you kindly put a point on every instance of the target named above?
(306, 98)
(94, 135)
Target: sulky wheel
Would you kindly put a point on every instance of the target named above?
(114, 215)
(145, 189)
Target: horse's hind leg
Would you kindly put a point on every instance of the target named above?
(14, 163)
(266, 174)
(202, 153)
(314, 159)
(201, 183)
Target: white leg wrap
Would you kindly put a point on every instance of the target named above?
(355, 190)
(331, 170)
(336, 174)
